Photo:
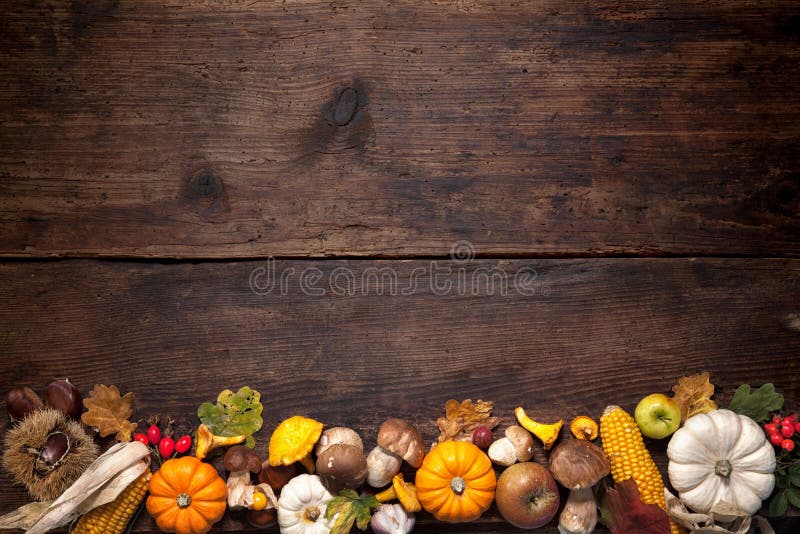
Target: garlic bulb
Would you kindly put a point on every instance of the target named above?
(392, 519)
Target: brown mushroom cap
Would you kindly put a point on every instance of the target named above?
(578, 464)
(339, 434)
(342, 466)
(522, 441)
(241, 458)
(399, 437)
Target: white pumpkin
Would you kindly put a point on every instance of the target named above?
(718, 457)
(302, 505)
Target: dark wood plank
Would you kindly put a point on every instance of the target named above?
(247, 129)
(577, 336)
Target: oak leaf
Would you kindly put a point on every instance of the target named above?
(109, 413)
(461, 419)
(693, 395)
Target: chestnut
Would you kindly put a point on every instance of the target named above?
(53, 450)
(22, 401)
(61, 395)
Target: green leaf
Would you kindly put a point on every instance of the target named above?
(351, 509)
(778, 505)
(794, 476)
(793, 495)
(234, 414)
(756, 405)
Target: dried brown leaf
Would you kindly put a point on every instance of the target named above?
(693, 395)
(461, 419)
(109, 413)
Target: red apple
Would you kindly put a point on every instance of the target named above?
(527, 495)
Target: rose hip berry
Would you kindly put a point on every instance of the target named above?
(183, 444)
(154, 435)
(787, 431)
(770, 428)
(787, 445)
(141, 438)
(482, 437)
(166, 447)
(776, 439)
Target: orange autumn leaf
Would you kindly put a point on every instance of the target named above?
(693, 395)
(461, 419)
(109, 413)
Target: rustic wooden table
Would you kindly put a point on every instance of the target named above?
(365, 208)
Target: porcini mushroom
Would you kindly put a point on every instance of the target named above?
(382, 465)
(239, 461)
(342, 466)
(399, 437)
(578, 465)
(516, 446)
(403, 491)
(339, 435)
(207, 441)
(397, 441)
(293, 441)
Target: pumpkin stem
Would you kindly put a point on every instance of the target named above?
(183, 500)
(458, 485)
(311, 514)
(723, 468)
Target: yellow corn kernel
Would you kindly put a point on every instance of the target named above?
(113, 517)
(629, 458)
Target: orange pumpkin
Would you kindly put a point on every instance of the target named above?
(456, 482)
(187, 496)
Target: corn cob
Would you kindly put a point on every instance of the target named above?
(629, 458)
(113, 517)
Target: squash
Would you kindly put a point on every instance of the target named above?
(456, 482)
(302, 505)
(721, 456)
(187, 496)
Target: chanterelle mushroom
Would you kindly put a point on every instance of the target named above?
(342, 466)
(403, 491)
(293, 441)
(578, 465)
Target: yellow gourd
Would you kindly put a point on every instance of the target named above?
(456, 482)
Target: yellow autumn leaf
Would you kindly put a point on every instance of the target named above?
(109, 413)
(693, 395)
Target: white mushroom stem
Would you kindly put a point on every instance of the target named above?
(580, 513)
(382, 465)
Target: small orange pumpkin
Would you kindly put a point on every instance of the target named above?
(456, 482)
(187, 496)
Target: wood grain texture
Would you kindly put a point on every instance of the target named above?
(372, 128)
(568, 337)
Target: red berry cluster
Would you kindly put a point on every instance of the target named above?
(781, 430)
(165, 445)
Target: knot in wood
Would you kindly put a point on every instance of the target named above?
(346, 106)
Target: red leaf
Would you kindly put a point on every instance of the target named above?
(629, 515)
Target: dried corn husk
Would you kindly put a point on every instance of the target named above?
(102, 482)
(721, 519)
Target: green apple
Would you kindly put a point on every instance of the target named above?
(657, 415)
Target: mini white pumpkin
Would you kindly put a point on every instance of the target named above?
(718, 457)
(302, 505)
